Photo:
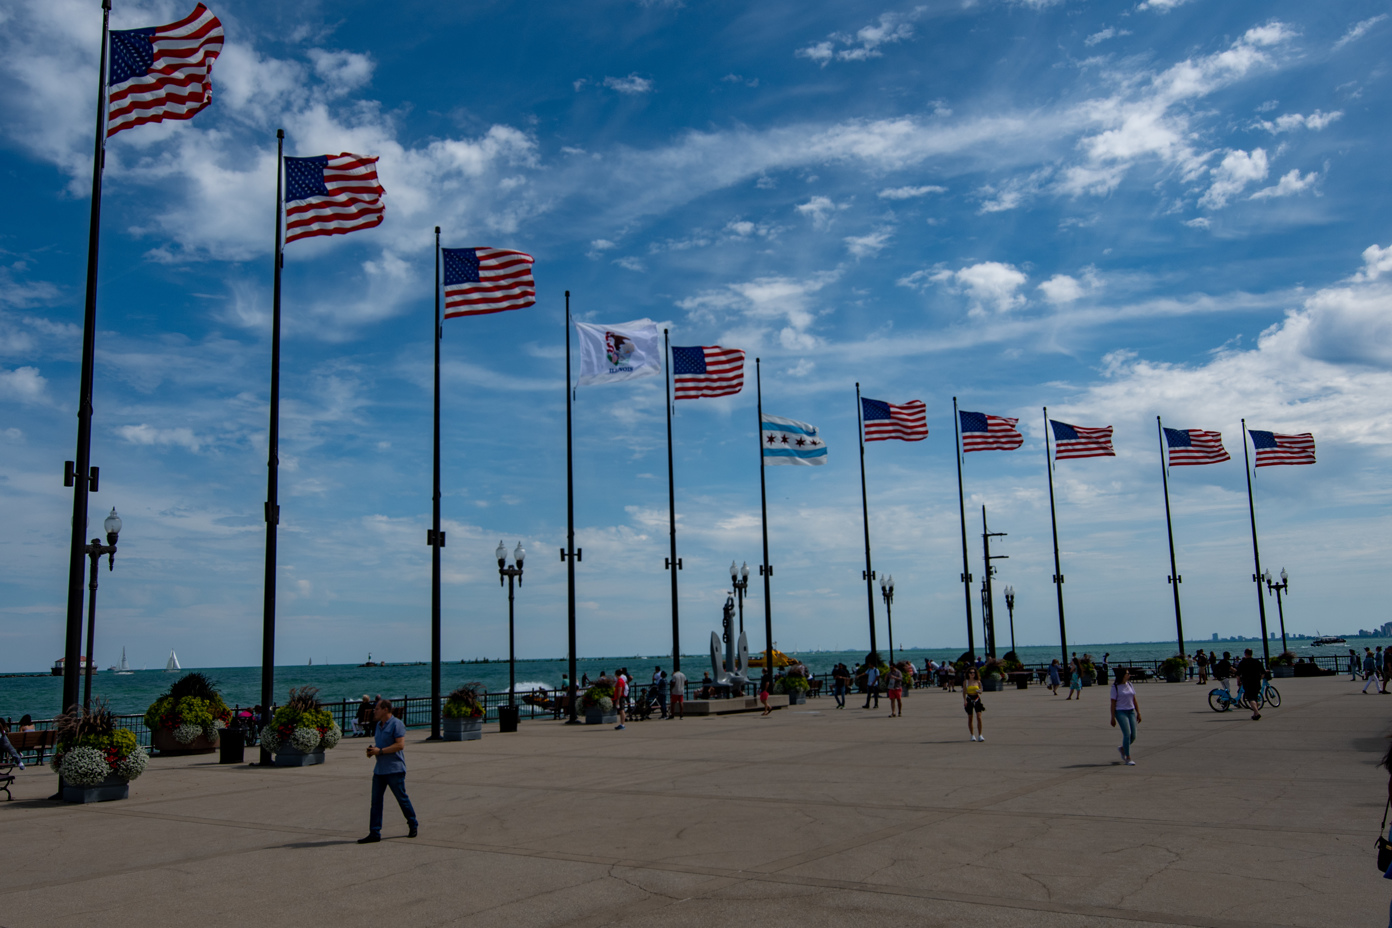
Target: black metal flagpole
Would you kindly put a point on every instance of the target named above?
(765, 569)
(570, 555)
(268, 603)
(962, 511)
(1256, 553)
(80, 474)
(435, 537)
(868, 573)
(1174, 577)
(1053, 519)
(673, 562)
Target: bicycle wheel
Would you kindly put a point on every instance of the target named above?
(1217, 702)
(1273, 697)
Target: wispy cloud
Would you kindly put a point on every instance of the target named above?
(633, 84)
(866, 41)
(909, 193)
(1358, 30)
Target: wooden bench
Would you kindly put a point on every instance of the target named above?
(36, 741)
(815, 688)
(6, 778)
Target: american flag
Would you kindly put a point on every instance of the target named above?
(1282, 449)
(981, 432)
(707, 370)
(162, 72)
(331, 195)
(1195, 446)
(1074, 441)
(479, 281)
(884, 421)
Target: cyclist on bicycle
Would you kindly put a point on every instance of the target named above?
(1251, 672)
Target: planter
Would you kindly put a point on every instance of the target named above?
(1283, 671)
(113, 787)
(163, 740)
(1089, 680)
(796, 698)
(289, 756)
(597, 716)
(1022, 680)
(1174, 676)
(992, 684)
(463, 729)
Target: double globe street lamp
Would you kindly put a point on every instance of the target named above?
(1278, 589)
(95, 550)
(1010, 608)
(739, 579)
(507, 715)
(887, 591)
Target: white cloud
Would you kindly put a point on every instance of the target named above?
(23, 384)
(146, 435)
(629, 85)
(1061, 288)
(1290, 184)
(864, 246)
(599, 246)
(989, 285)
(820, 210)
(866, 42)
(630, 263)
(909, 193)
(344, 71)
(1200, 222)
(1110, 32)
(1237, 170)
(1164, 6)
(1316, 121)
(764, 304)
(1358, 30)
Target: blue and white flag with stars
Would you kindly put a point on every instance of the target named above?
(788, 441)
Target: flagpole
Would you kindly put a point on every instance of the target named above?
(570, 554)
(437, 537)
(1174, 577)
(272, 514)
(1256, 553)
(1053, 519)
(962, 512)
(869, 574)
(672, 563)
(79, 474)
(765, 569)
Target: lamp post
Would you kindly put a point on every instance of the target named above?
(739, 579)
(1010, 608)
(1271, 586)
(513, 575)
(887, 591)
(95, 550)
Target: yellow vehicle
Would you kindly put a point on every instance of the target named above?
(756, 659)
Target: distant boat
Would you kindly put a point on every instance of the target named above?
(1324, 640)
(122, 669)
(172, 664)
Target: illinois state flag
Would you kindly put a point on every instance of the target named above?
(610, 353)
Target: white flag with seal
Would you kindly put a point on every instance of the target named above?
(788, 441)
(610, 353)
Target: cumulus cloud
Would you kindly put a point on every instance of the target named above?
(820, 211)
(989, 286)
(909, 193)
(23, 384)
(865, 42)
(344, 71)
(630, 85)
(1237, 170)
(872, 243)
(1358, 30)
(1290, 184)
(1316, 121)
(757, 307)
(146, 435)
(1062, 289)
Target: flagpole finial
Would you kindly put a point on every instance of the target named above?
(567, 294)
(280, 133)
(437, 230)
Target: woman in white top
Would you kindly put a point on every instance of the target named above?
(1125, 711)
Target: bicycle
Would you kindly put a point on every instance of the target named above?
(1220, 700)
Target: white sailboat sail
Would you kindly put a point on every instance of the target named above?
(123, 667)
(172, 664)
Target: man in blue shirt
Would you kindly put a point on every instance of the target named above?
(389, 746)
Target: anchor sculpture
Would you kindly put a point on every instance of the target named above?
(733, 671)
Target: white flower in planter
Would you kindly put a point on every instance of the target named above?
(187, 733)
(331, 738)
(270, 740)
(83, 766)
(305, 739)
(132, 765)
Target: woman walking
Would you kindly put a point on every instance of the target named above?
(896, 691)
(1054, 676)
(764, 686)
(840, 684)
(1075, 680)
(1125, 712)
(971, 702)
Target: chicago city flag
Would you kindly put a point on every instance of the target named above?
(610, 353)
(788, 441)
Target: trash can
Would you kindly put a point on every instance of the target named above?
(231, 747)
(507, 718)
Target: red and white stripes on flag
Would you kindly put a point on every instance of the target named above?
(162, 72)
(479, 281)
(1195, 446)
(884, 421)
(982, 432)
(331, 195)
(706, 370)
(1282, 449)
(1074, 441)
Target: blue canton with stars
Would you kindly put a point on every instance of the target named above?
(974, 422)
(304, 178)
(132, 54)
(1263, 439)
(688, 360)
(875, 409)
(461, 266)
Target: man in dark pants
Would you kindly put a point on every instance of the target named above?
(389, 746)
(1251, 672)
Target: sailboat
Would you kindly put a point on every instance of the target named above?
(172, 664)
(122, 668)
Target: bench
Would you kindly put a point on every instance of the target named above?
(815, 688)
(6, 778)
(35, 741)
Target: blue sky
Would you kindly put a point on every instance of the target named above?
(1118, 210)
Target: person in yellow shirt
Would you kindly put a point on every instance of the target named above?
(971, 701)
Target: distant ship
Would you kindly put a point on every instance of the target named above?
(172, 664)
(1324, 640)
(122, 668)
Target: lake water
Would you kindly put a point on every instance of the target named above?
(40, 695)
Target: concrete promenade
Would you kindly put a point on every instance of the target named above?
(810, 817)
